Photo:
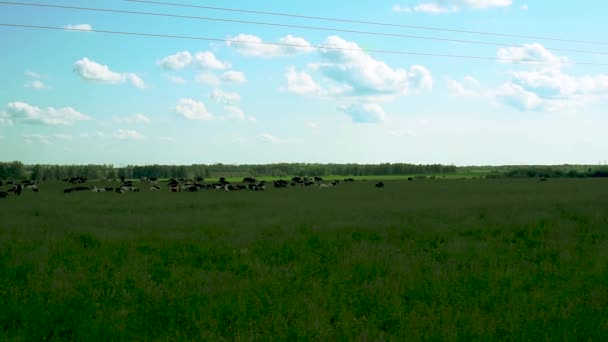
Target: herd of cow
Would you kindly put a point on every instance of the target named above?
(16, 188)
(173, 185)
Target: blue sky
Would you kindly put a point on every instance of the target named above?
(85, 97)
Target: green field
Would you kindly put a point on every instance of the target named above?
(444, 260)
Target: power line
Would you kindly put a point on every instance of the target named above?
(286, 25)
(316, 47)
(369, 22)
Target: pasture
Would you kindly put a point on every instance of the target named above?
(445, 260)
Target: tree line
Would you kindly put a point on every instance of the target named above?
(18, 170)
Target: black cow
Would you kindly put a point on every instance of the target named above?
(249, 180)
(380, 185)
(3, 194)
(318, 179)
(410, 179)
(18, 189)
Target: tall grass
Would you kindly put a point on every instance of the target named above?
(424, 260)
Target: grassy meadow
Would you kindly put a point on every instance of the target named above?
(442, 260)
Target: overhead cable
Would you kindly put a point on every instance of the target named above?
(317, 47)
(287, 25)
(370, 22)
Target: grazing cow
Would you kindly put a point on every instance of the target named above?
(67, 191)
(380, 185)
(249, 180)
(18, 189)
(543, 179)
(155, 188)
(335, 182)
(349, 179)
(318, 179)
(109, 188)
(410, 179)
(96, 189)
(3, 194)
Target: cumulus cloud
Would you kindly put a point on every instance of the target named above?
(228, 77)
(133, 119)
(235, 77)
(36, 84)
(469, 87)
(79, 27)
(128, 134)
(183, 59)
(235, 112)
(190, 109)
(300, 82)
(32, 74)
(253, 46)
(89, 70)
(361, 74)
(451, 6)
(551, 89)
(529, 53)
(364, 113)
(20, 111)
(225, 97)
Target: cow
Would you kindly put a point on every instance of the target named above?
(155, 188)
(380, 185)
(3, 194)
(318, 179)
(18, 189)
(410, 179)
(249, 180)
(1, 183)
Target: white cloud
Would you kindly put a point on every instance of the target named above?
(551, 89)
(167, 139)
(183, 59)
(402, 9)
(176, 79)
(469, 87)
(225, 97)
(450, 6)
(32, 74)
(46, 116)
(254, 46)
(134, 119)
(79, 27)
(36, 84)
(89, 70)
(128, 134)
(192, 110)
(66, 137)
(207, 60)
(235, 112)
(359, 74)
(37, 138)
(434, 8)
(299, 82)
(233, 77)
(529, 53)
(364, 113)
(523, 7)
(6, 119)
(208, 79)
(228, 77)
(516, 96)
(177, 61)
(269, 138)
